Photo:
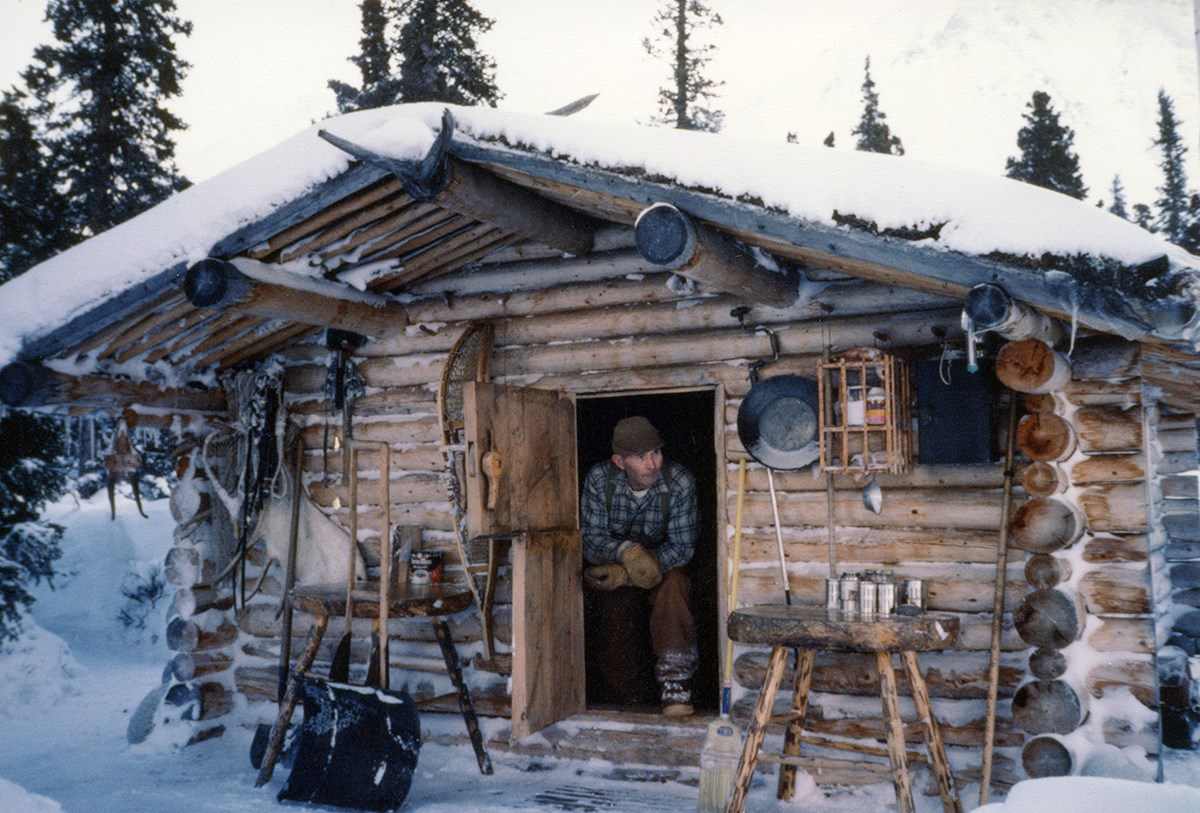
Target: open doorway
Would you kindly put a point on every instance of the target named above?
(686, 421)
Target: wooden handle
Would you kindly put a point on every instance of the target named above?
(492, 464)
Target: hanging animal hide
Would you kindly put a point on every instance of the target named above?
(123, 463)
(321, 543)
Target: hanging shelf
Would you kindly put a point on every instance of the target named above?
(865, 424)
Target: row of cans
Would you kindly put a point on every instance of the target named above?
(873, 593)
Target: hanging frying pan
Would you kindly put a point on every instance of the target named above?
(777, 422)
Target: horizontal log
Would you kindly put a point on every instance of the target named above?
(1109, 468)
(398, 432)
(1115, 507)
(1047, 707)
(854, 673)
(1106, 548)
(1176, 439)
(669, 238)
(1050, 618)
(970, 592)
(1178, 462)
(187, 666)
(27, 385)
(1105, 357)
(206, 700)
(204, 633)
(1044, 436)
(1115, 634)
(1045, 525)
(185, 567)
(1098, 393)
(1031, 365)
(253, 287)
(190, 600)
(1179, 486)
(939, 477)
(1109, 428)
(322, 465)
(857, 548)
(1116, 591)
(1132, 673)
(902, 509)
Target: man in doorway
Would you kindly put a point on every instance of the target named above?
(639, 515)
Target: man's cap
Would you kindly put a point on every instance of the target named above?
(635, 435)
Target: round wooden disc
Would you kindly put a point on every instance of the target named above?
(1045, 436)
(1031, 365)
(1047, 664)
(1044, 571)
(1048, 618)
(1046, 756)
(1043, 479)
(1044, 525)
(1046, 707)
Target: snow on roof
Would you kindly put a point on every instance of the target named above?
(981, 214)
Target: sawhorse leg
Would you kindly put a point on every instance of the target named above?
(933, 736)
(895, 733)
(450, 656)
(795, 725)
(757, 730)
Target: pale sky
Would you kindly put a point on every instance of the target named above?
(953, 75)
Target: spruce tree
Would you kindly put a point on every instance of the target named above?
(379, 86)
(1047, 156)
(440, 60)
(1173, 198)
(32, 212)
(1118, 207)
(30, 476)
(1143, 216)
(101, 93)
(682, 104)
(873, 133)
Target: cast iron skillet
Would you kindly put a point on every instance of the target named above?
(777, 422)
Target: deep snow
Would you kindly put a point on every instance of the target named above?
(68, 687)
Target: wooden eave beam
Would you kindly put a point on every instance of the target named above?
(255, 288)
(885, 259)
(29, 386)
(668, 238)
(456, 185)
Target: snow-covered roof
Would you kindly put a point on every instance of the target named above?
(961, 213)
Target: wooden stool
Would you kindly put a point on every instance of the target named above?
(808, 629)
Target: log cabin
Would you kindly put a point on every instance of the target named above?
(408, 296)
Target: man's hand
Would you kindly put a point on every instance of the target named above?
(606, 577)
(643, 566)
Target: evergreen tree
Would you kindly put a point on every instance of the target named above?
(873, 133)
(30, 476)
(101, 92)
(440, 60)
(379, 86)
(1143, 216)
(681, 104)
(1047, 156)
(1118, 202)
(828, 142)
(1173, 195)
(32, 221)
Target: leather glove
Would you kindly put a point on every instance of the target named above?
(606, 577)
(643, 566)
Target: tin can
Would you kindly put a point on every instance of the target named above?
(426, 567)
(848, 586)
(868, 598)
(886, 592)
(913, 593)
(832, 594)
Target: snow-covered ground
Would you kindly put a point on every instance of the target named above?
(69, 686)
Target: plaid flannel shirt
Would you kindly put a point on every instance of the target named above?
(641, 522)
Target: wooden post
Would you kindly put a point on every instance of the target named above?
(758, 729)
(795, 725)
(933, 736)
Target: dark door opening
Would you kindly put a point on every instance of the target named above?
(686, 422)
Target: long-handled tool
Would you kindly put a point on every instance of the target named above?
(989, 737)
(722, 744)
(339, 667)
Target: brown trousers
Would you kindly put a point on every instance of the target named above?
(627, 616)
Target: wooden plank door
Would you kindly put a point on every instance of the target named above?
(521, 481)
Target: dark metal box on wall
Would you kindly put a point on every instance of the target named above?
(954, 410)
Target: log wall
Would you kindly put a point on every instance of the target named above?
(635, 333)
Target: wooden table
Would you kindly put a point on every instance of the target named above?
(808, 629)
